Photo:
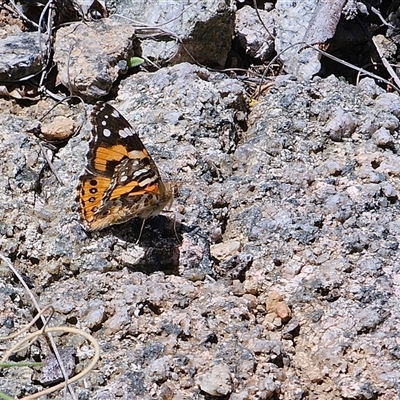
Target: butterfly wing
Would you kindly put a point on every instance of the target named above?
(121, 180)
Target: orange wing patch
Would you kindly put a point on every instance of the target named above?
(103, 155)
(91, 192)
(125, 189)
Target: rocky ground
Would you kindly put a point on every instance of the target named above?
(276, 273)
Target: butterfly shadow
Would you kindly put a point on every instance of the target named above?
(161, 239)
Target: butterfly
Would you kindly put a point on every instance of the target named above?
(121, 180)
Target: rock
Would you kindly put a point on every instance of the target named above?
(221, 251)
(217, 382)
(291, 24)
(272, 300)
(383, 138)
(388, 102)
(341, 125)
(204, 30)
(252, 286)
(91, 56)
(277, 308)
(252, 35)
(51, 372)
(95, 314)
(283, 311)
(20, 56)
(60, 128)
(118, 321)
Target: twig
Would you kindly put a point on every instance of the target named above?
(376, 12)
(20, 13)
(50, 164)
(347, 64)
(379, 78)
(386, 63)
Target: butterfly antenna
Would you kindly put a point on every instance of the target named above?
(141, 230)
(176, 233)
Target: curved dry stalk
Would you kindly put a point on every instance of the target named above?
(61, 329)
(22, 15)
(39, 315)
(41, 18)
(51, 339)
(58, 103)
(147, 30)
(262, 22)
(352, 66)
(50, 164)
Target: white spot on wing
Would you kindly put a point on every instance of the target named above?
(124, 178)
(146, 182)
(126, 132)
(140, 172)
(136, 154)
(104, 123)
(106, 132)
(115, 114)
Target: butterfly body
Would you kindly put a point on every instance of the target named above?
(121, 181)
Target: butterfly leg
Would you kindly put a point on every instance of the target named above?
(176, 233)
(141, 230)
